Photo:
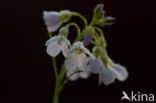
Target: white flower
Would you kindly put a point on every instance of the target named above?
(52, 20)
(57, 44)
(108, 73)
(76, 73)
(77, 60)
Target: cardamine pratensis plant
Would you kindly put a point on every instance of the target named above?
(80, 62)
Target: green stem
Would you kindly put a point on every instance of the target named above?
(101, 34)
(58, 85)
(56, 92)
(95, 36)
(79, 37)
(62, 73)
(79, 34)
(82, 17)
(55, 68)
(99, 30)
(76, 26)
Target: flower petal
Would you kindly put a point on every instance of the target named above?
(82, 61)
(120, 72)
(71, 61)
(52, 20)
(84, 75)
(95, 65)
(106, 76)
(53, 28)
(65, 47)
(53, 49)
(86, 51)
(53, 39)
(72, 76)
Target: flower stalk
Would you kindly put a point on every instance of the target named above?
(80, 62)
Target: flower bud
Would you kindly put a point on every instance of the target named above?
(64, 31)
(101, 42)
(99, 12)
(97, 51)
(109, 20)
(65, 15)
(99, 17)
(52, 20)
(87, 40)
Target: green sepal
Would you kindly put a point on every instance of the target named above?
(105, 60)
(101, 41)
(98, 14)
(65, 15)
(64, 31)
(97, 51)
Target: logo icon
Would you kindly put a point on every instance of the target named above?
(137, 97)
(125, 96)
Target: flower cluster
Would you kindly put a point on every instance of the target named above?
(80, 62)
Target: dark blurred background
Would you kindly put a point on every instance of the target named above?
(26, 73)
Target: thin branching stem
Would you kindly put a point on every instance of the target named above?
(82, 17)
